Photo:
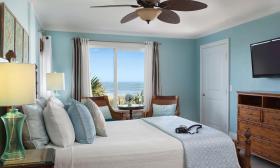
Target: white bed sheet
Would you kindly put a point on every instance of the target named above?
(130, 144)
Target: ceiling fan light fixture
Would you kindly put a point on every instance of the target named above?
(148, 14)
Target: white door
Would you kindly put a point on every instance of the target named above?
(214, 81)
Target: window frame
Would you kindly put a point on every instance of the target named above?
(116, 46)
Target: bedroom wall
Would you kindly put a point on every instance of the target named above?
(177, 57)
(25, 14)
(240, 38)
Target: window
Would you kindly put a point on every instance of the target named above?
(117, 70)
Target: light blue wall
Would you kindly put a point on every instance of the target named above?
(177, 68)
(25, 14)
(20, 8)
(180, 61)
(240, 59)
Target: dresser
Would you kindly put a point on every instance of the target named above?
(260, 112)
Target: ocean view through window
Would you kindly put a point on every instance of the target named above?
(120, 72)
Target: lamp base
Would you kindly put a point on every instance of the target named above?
(13, 121)
(13, 155)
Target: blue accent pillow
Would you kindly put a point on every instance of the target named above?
(106, 113)
(82, 122)
(164, 110)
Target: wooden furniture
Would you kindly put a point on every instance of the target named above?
(260, 113)
(163, 100)
(43, 158)
(244, 156)
(131, 108)
(104, 101)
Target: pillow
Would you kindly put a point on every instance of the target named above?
(106, 112)
(98, 118)
(56, 100)
(164, 110)
(58, 124)
(42, 102)
(34, 131)
(83, 123)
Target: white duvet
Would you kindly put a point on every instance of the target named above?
(130, 144)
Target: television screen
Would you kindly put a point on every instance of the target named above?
(266, 58)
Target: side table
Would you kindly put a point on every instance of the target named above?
(43, 158)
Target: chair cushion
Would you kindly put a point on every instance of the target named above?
(164, 110)
(98, 118)
(34, 131)
(106, 112)
(58, 124)
(82, 122)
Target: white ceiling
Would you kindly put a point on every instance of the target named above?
(76, 16)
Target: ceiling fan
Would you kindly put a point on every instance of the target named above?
(148, 10)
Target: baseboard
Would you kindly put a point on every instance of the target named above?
(233, 135)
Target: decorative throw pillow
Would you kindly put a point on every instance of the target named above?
(34, 131)
(82, 122)
(98, 118)
(164, 110)
(42, 102)
(58, 124)
(106, 112)
(56, 100)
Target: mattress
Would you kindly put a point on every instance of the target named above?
(130, 144)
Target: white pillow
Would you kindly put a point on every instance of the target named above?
(58, 124)
(98, 118)
(35, 134)
(56, 100)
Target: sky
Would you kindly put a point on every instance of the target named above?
(130, 65)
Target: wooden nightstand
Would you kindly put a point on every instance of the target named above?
(43, 158)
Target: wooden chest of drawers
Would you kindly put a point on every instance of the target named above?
(260, 112)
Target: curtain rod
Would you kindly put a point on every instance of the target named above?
(122, 42)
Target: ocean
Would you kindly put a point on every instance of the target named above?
(124, 88)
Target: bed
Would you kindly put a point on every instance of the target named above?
(151, 143)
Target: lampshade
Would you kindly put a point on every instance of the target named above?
(55, 81)
(17, 84)
(148, 14)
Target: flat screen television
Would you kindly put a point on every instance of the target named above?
(266, 58)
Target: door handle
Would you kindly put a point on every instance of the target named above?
(203, 94)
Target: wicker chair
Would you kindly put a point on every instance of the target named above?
(163, 100)
(104, 101)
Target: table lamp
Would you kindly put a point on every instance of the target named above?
(17, 87)
(55, 82)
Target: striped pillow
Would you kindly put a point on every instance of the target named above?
(98, 118)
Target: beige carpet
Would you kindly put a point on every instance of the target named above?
(260, 163)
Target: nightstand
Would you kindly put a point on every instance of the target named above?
(43, 158)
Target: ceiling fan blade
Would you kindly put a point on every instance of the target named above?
(129, 17)
(109, 6)
(169, 16)
(183, 5)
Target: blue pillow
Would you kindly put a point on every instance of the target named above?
(164, 110)
(82, 122)
(106, 113)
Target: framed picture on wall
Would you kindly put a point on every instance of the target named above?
(8, 31)
(19, 42)
(25, 47)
